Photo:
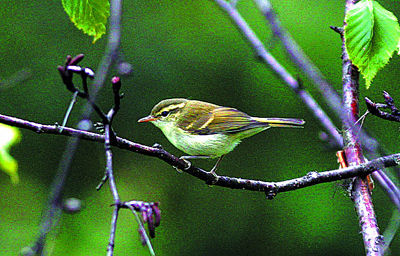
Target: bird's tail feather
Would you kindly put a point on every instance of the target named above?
(281, 122)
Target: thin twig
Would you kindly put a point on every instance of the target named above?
(142, 230)
(69, 110)
(113, 188)
(116, 86)
(110, 176)
(111, 241)
(109, 138)
(65, 163)
(374, 108)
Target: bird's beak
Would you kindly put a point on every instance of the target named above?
(147, 119)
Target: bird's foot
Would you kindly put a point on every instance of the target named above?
(99, 126)
(188, 165)
(177, 169)
(213, 179)
(156, 145)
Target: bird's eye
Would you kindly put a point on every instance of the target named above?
(164, 113)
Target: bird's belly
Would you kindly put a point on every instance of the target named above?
(213, 145)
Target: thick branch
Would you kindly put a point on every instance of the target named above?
(270, 188)
(361, 196)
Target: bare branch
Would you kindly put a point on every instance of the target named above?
(111, 53)
(375, 108)
(270, 188)
(111, 241)
(113, 187)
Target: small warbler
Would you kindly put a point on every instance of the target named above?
(206, 130)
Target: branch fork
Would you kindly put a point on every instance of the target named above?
(147, 210)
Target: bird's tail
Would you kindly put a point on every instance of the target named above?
(281, 122)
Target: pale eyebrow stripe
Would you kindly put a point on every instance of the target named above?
(172, 107)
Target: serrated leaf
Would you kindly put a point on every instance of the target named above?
(371, 36)
(8, 137)
(88, 15)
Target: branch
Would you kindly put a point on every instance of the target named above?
(111, 53)
(270, 188)
(53, 207)
(66, 73)
(109, 164)
(373, 241)
(374, 108)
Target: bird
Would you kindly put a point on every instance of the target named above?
(206, 130)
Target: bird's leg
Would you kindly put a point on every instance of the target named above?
(215, 179)
(212, 172)
(194, 157)
(189, 164)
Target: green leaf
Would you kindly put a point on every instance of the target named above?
(371, 36)
(88, 15)
(8, 137)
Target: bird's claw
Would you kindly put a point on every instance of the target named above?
(156, 145)
(188, 165)
(177, 169)
(214, 179)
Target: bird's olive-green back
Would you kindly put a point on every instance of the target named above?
(206, 118)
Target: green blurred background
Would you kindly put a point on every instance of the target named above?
(184, 49)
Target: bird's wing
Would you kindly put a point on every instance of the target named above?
(222, 120)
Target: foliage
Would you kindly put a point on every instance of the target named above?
(372, 35)
(9, 136)
(88, 15)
